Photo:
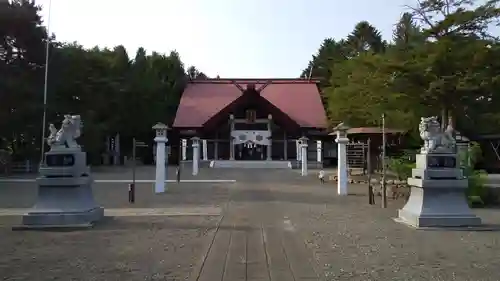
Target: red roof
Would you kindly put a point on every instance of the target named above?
(298, 98)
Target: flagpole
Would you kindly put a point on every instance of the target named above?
(44, 118)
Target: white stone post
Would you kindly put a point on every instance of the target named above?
(319, 151)
(298, 149)
(161, 140)
(342, 141)
(303, 155)
(269, 146)
(183, 150)
(205, 150)
(231, 141)
(196, 154)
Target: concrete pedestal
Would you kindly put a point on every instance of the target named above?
(64, 193)
(437, 196)
(62, 206)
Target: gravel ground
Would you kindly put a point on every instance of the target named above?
(115, 195)
(125, 248)
(119, 248)
(349, 239)
(352, 240)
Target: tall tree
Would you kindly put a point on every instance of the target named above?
(365, 37)
(113, 93)
(441, 59)
(451, 24)
(407, 33)
(22, 56)
(194, 74)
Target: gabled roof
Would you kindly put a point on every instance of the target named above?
(298, 98)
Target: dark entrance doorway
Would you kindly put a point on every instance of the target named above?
(250, 151)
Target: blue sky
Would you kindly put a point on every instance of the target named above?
(230, 38)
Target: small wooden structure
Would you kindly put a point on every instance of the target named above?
(358, 138)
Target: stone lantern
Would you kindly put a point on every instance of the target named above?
(342, 140)
(161, 160)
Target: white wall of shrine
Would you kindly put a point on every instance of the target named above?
(210, 149)
(257, 143)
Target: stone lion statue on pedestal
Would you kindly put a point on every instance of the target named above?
(67, 135)
(435, 140)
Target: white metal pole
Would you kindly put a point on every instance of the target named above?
(44, 118)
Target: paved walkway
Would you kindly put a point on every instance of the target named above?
(255, 241)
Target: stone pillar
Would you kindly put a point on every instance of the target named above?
(231, 142)
(297, 149)
(269, 146)
(183, 149)
(205, 150)
(196, 154)
(319, 151)
(161, 140)
(285, 148)
(303, 156)
(342, 141)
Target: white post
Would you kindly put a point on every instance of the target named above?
(231, 142)
(161, 140)
(342, 141)
(196, 154)
(183, 149)
(319, 154)
(269, 146)
(205, 150)
(298, 149)
(160, 166)
(303, 156)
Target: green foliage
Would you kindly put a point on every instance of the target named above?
(113, 92)
(476, 191)
(401, 167)
(442, 61)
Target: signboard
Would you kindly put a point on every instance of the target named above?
(440, 161)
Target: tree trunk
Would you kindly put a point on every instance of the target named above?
(444, 118)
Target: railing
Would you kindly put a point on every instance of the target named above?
(21, 167)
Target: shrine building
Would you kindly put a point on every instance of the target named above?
(251, 120)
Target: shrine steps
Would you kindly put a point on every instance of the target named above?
(250, 164)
